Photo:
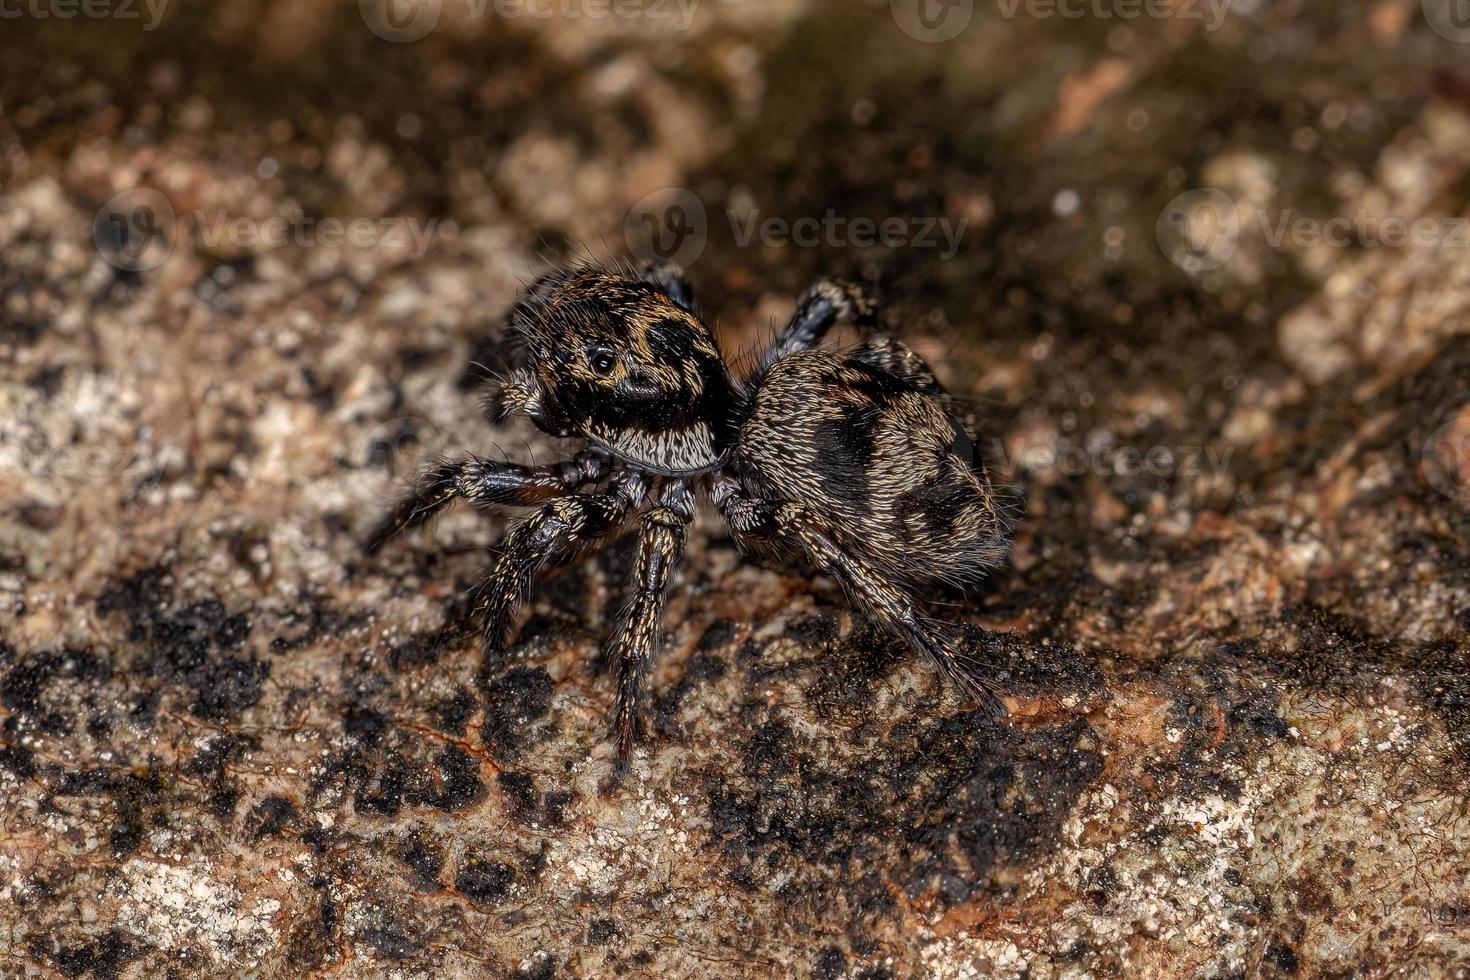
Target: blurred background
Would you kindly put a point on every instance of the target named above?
(1200, 263)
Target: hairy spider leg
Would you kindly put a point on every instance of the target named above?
(560, 530)
(662, 532)
(485, 483)
(824, 303)
(883, 601)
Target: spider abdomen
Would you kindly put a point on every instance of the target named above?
(878, 457)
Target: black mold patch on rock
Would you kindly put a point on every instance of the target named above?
(850, 666)
(929, 807)
(190, 645)
(454, 713)
(27, 679)
(314, 937)
(209, 765)
(132, 794)
(1445, 684)
(18, 759)
(382, 787)
(1018, 664)
(701, 667)
(386, 768)
(103, 958)
(520, 789)
(367, 725)
(1339, 654)
(814, 631)
(1281, 956)
(391, 944)
(22, 689)
(513, 701)
(601, 931)
(423, 649)
(528, 805)
(271, 817)
(460, 778)
(484, 882)
(717, 636)
(425, 860)
(390, 939)
(831, 965)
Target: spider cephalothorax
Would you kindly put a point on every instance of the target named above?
(855, 462)
(624, 366)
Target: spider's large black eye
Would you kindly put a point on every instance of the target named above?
(602, 361)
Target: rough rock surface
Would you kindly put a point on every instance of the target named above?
(1234, 635)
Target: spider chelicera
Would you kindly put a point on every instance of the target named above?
(854, 462)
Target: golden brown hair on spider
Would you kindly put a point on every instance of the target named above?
(854, 462)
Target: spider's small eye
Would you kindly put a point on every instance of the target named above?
(602, 361)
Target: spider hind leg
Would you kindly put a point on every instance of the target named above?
(873, 593)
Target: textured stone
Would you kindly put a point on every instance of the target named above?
(1233, 636)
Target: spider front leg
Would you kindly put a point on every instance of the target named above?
(662, 532)
(823, 304)
(874, 594)
(485, 483)
(561, 529)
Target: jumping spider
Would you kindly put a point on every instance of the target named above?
(854, 462)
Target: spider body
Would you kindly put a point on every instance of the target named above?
(856, 463)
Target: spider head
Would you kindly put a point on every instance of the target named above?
(622, 365)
